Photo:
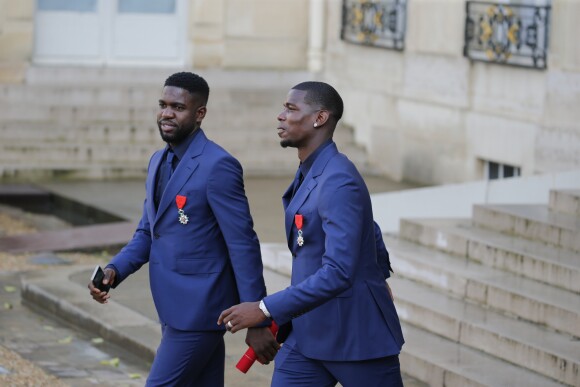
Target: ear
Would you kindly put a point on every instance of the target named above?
(321, 117)
(200, 113)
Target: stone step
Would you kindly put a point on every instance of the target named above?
(141, 132)
(536, 260)
(112, 147)
(120, 161)
(253, 165)
(109, 118)
(521, 343)
(250, 117)
(132, 96)
(80, 95)
(92, 75)
(535, 222)
(441, 362)
(75, 114)
(100, 132)
(29, 171)
(113, 152)
(512, 294)
(72, 152)
(565, 201)
(133, 75)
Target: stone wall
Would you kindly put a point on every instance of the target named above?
(16, 39)
(430, 115)
(229, 34)
(426, 114)
(249, 34)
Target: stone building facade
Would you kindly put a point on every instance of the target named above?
(424, 113)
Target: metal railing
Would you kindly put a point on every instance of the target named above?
(508, 34)
(374, 23)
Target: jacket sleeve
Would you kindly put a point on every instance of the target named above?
(339, 207)
(382, 253)
(135, 254)
(228, 201)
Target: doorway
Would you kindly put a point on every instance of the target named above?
(104, 32)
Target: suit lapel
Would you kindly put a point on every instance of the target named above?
(151, 184)
(287, 196)
(309, 183)
(182, 174)
(299, 198)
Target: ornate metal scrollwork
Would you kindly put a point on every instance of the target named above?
(509, 34)
(374, 23)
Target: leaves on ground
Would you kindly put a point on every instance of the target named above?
(114, 362)
(66, 340)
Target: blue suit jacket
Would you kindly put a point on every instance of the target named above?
(338, 300)
(205, 266)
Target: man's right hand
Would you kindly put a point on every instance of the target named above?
(99, 296)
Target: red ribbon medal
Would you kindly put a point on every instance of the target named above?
(180, 201)
(298, 220)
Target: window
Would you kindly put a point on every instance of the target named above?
(493, 170)
(377, 23)
(507, 32)
(140, 6)
(68, 5)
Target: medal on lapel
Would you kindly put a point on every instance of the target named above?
(298, 220)
(180, 201)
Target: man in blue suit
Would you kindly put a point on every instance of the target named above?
(197, 235)
(344, 324)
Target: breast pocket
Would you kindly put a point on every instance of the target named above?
(193, 199)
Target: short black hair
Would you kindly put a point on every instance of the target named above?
(190, 82)
(324, 96)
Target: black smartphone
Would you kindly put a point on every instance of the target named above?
(97, 279)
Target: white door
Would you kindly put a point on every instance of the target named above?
(110, 32)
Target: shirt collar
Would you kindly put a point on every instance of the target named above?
(309, 162)
(180, 149)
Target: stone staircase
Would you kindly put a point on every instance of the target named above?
(83, 122)
(493, 300)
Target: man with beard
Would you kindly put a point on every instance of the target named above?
(197, 235)
(342, 323)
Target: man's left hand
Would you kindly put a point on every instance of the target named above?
(263, 342)
(241, 316)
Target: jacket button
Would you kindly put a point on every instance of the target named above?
(156, 236)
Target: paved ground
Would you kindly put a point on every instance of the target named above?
(264, 194)
(59, 341)
(65, 351)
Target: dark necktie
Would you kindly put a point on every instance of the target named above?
(297, 181)
(165, 171)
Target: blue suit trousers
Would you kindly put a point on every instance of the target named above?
(188, 358)
(294, 369)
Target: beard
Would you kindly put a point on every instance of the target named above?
(287, 144)
(179, 134)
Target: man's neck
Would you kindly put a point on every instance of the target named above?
(307, 150)
(172, 145)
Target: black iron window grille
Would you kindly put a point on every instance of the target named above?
(374, 23)
(508, 34)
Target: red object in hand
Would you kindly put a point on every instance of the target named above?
(249, 357)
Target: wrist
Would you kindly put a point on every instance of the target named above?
(264, 309)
